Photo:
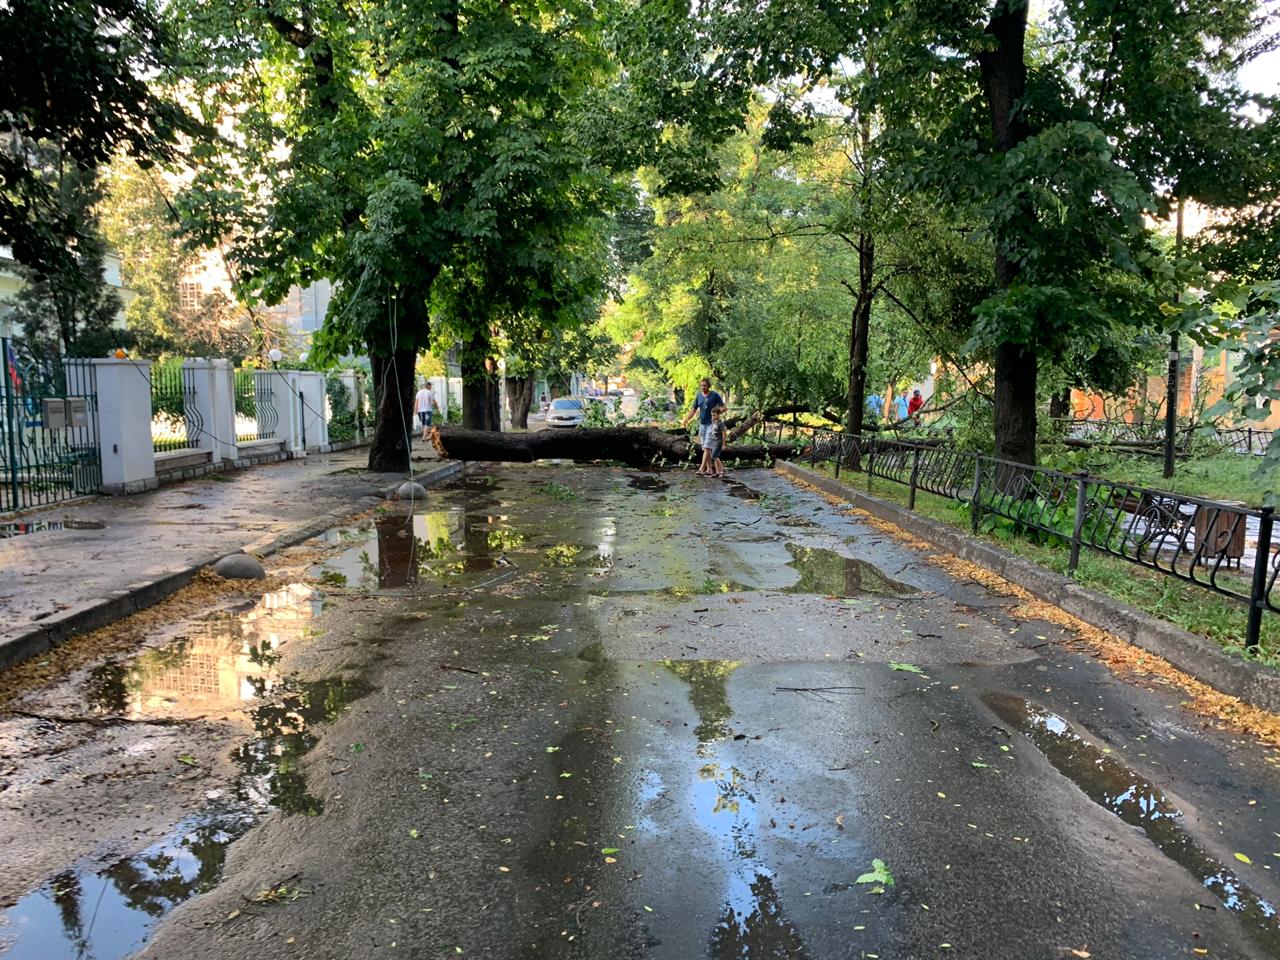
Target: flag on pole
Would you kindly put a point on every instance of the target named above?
(11, 361)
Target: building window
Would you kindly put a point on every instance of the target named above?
(189, 295)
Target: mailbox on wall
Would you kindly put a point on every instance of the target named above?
(58, 413)
(53, 413)
(77, 412)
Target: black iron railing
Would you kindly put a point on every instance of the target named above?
(49, 450)
(256, 414)
(1242, 440)
(1205, 542)
(176, 423)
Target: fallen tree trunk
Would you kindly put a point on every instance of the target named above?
(634, 446)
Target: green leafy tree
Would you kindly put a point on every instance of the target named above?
(67, 305)
(73, 78)
(1054, 139)
(430, 170)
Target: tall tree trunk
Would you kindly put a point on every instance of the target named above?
(477, 385)
(492, 395)
(1004, 81)
(393, 423)
(859, 333)
(519, 401)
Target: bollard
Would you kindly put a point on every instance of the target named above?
(871, 464)
(1261, 563)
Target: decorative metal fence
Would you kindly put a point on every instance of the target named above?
(1191, 539)
(1246, 440)
(256, 413)
(1242, 440)
(176, 423)
(49, 448)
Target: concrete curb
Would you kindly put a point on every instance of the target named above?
(118, 604)
(1196, 655)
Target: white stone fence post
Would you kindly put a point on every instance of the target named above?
(124, 425)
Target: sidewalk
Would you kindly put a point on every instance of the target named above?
(101, 560)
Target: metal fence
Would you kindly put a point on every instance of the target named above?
(1242, 440)
(49, 448)
(256, 414)
(176, 422)
(1205, 542)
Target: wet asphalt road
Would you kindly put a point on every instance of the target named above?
(587, 712)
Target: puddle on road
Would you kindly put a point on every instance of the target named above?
(1142, 804)
(696, 793)
(648, 482)
(753, 924)
(222, 666)
(830, 574)
(109, 914)
(282, 734)
(219, 665)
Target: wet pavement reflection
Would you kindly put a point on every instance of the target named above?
(1139, 803)
(631, 803)
(223, 664)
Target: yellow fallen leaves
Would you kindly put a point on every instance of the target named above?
(1243, 858)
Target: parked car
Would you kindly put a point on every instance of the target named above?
(566, 412)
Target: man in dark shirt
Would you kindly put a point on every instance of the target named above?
(705, 401)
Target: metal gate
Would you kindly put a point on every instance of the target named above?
(48, 428)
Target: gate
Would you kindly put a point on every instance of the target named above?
(48, 428)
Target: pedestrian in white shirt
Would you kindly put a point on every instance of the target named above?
(425, 406)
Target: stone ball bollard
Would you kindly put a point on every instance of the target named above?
(411, 490)
(240, 566)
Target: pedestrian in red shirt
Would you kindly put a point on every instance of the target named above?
(913, 408)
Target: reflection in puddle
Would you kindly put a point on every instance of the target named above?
(708, 694)
(109, 914)
(224, 663)
(270, 775)
(1139, 803)
(435, 545)
(828, 573)
(754, 924)
(227, 661)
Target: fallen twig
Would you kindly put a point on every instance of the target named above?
(450, 666)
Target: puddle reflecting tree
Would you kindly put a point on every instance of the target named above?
(827, 573)
(760, 933)
(708, 692)
(270, 762)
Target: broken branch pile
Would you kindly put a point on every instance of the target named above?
(634, 446)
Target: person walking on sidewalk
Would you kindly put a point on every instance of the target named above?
(424, 404)
(705, 401)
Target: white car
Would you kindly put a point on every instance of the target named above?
(566, 412)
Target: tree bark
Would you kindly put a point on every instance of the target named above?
(519, 400)
(477, 404)
(859, 333)
(634, 446)
(393, 423)
(1004, 81)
